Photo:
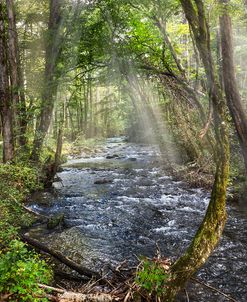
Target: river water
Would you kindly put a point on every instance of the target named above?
(119, 204)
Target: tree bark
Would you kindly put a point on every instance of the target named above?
(59, 148)
(230, 83)
(16, 76)
(5, 96)
(53, 48)
(52, 167)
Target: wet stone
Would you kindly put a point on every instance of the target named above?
(55, 221)
(103, 181)
(132, 159)
(110, 156)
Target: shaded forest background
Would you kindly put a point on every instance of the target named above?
(94, 68)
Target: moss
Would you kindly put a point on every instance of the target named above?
(55, 221)
(16, 182)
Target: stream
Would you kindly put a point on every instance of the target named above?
(119, 204)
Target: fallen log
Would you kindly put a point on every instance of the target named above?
(64, 296)
(51, 288)
(59, 256)
(75, 297)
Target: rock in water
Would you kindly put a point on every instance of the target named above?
(132, 159)
(112, 156)
(103, 181)
(55, 221)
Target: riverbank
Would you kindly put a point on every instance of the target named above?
(20, 269)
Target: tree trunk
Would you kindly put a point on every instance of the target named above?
(209, 232)
(90, 87)
(230, 83)
(5, 97)
(16, 76)
(51, 167)
(53, 48)
(59, 148)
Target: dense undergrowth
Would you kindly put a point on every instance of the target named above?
(20, 268)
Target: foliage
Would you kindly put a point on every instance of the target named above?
(20, 269)
(20, 273)
(16, 181)
(153, 276)
(20, 178)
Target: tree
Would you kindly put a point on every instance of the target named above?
(16, 76)
(209, 232)
(229, 77)
(5, 95)
(53, 48)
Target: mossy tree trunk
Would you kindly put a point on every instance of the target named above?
(209, 232)
(6, 111)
